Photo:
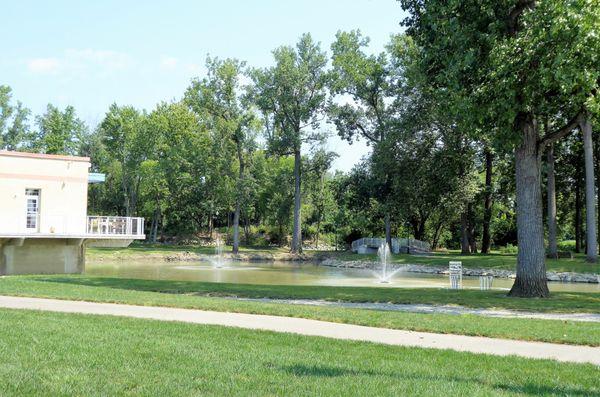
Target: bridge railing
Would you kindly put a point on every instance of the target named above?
(398, 244)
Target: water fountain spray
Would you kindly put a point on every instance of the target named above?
(384, 254)
(218, 262)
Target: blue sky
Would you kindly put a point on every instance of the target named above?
(90, 54)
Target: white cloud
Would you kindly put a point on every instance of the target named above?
(43, 65)
(110, 60)
(168, 63)
(81, 60)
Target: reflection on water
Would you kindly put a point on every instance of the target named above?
(289, 273)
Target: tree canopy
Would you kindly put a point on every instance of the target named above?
(476, 115)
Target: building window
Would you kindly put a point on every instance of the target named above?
(32, 192)
(32, 200)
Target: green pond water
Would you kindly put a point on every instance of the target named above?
(290, 273)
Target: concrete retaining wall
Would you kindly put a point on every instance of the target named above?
(42, 256)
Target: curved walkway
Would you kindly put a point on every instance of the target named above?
(437, 309)
(472, 344)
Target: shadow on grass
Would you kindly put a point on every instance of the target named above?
(559, 302)
(325, 371)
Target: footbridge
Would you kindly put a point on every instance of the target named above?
(369, 245)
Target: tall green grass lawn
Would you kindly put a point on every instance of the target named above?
(51, 354)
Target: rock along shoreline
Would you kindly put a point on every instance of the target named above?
(567, 277)
(323, 260)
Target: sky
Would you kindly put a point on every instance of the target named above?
(90, 54)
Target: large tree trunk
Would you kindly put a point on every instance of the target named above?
(465, 249)
(228, 224)
(531, 269)
(134, 197)
(247, 230)
(297, 231)
(126, 202)
(471, 229)
(236, 228)
(421, 234)
(472, 242)
(487, 204)
(155, 222)
(578, 208)
(318, 232)
(280, 226)
(418, 226)
(551, 193)
(152, 224)
(590, 191)
(597, 157)
(238, 198)
(436, 235)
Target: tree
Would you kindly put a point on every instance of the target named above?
(551, 199)
(186, 158)
(488, 201)
(364, 88)
(291, 96)
(431, 169)
(58, 132)
(506, 66)
(585, 124)
(218, 98)
(433, 160)
(5, 107)
(276, 198)
(571, 177)
(153, 194)
(123, 133)
(14, 129)
(320, 194)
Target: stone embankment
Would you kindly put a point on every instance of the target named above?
(189, 256)
(499, 273)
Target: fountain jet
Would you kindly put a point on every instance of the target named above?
(384, 254)
(218, 262)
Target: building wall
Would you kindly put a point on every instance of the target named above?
(42, 256)
(62, 181)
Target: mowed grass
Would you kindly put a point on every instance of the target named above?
(214, 296)
(494, 260)
(559, 302)
(69, 354)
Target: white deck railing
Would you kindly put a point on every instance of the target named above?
(115, 226)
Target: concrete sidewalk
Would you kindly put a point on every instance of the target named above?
(472, 344)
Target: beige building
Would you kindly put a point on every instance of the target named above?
(44, 225)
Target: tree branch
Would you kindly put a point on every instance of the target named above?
(551, 137)
(515, 13)
(365, 133)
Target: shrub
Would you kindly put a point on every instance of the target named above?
(509, 249)
(567, 245)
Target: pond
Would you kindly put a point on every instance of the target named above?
(289, 273)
